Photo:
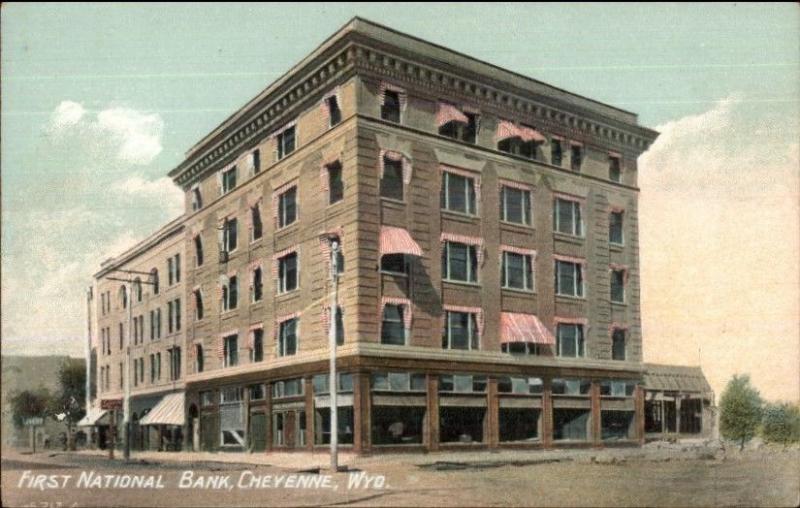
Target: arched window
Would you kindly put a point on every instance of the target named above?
(137, 289)
(199, 357)
(154, 280)
(123, 297)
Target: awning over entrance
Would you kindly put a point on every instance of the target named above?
(94, 417)
(516, 327)
(168, 411)
(398, 241)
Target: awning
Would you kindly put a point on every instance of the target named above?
(530, 134)
(506, 129)
(93, 417)
(515, 327)
(168, 411)
(449, 113)
(398, 241)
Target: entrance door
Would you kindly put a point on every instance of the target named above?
(196, 434)
(258, 432)
(289, 428)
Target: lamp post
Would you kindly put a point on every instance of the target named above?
(333, 386)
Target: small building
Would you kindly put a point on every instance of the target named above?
(679, 402)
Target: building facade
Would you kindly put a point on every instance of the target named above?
(488, 285)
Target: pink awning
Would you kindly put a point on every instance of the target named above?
(530, 134)
(449, 113)
(515, 327)
(506, 129)
(398, 241)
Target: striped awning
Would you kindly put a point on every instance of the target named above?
(93, 417)
(516, 327)
(397, 241)
(449, 113)
(168, 411)
(530, 134)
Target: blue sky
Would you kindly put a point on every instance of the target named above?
(101, 101)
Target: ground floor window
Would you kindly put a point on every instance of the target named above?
(519, 424)
(397, 425)
(289, 428)
(322, 425)
(617, 425)
(571, 424)
(461, 424)
(231, 424)
(691, 416)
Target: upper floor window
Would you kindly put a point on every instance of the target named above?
(175, 364)
(556, 152)
(230, 351)
(618, 285)
(174, 315)
(618, 346)
(286, 141)
(174, 269)
(569, 340)
(198, 250)
(615, 230)
(287, 273)
(335, 182)
(154, 280)
(123, 297)
(614, 168)
(515, 204)
(230, 293)
(393, 329)
(392, 176)
(517, 270)
(137, 289)
(199, 358)
(228, 180)
(257, 345)
(390, 109)
(287, 337)
(255, 221)
(229, 235)
(458, 193)
(460, 262)
(461, 331)
(456, 124)
(197, 198)
(334, 112)
(568, 278)
(287, 207)
(198, 304)
(576, 156)
(519, 140)
(257, 284)
(255, 159)
(567, 217)
(394, 263)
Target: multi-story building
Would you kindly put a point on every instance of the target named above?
(489, 267)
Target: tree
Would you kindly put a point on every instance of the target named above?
(29, 404)
(781, 423)
(68, 403)
(740, 410)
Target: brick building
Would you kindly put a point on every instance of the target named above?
(489, 275)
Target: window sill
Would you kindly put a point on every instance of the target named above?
(570, 298)
(463, 216)
(393, 201)
(617, 247)
(393, 274)
(475, 285)
(227, 314)
(528, 292)
(287, 227)
(518, 225)
(256, 240)
(288, 295)
(578, 240)
(619, 304)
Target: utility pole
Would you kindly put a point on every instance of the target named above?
(126, 397)
(89, 298)
(333, 385)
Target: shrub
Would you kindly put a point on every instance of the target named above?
(781, 423)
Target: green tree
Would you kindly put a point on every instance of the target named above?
(781, 423)
(68, 403)
(740, 410)
(29, 404)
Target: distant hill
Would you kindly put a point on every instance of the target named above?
(27, 373)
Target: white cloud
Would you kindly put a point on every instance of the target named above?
(117, 133)
(162, 191)
(718, 232)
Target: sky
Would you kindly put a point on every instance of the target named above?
(100, 101)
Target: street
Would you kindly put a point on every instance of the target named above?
(620, 478)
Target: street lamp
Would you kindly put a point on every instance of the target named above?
(333, 386)
(126, 397)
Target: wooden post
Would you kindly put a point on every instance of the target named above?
(639, 415)
(432, 429)
(597, 429)
(493, 413)
(310, 420)
(268, 416)
(678, 414)
(547, 414)
(113, 437)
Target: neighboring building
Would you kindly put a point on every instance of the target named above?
(489, 293)
(678, 402)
